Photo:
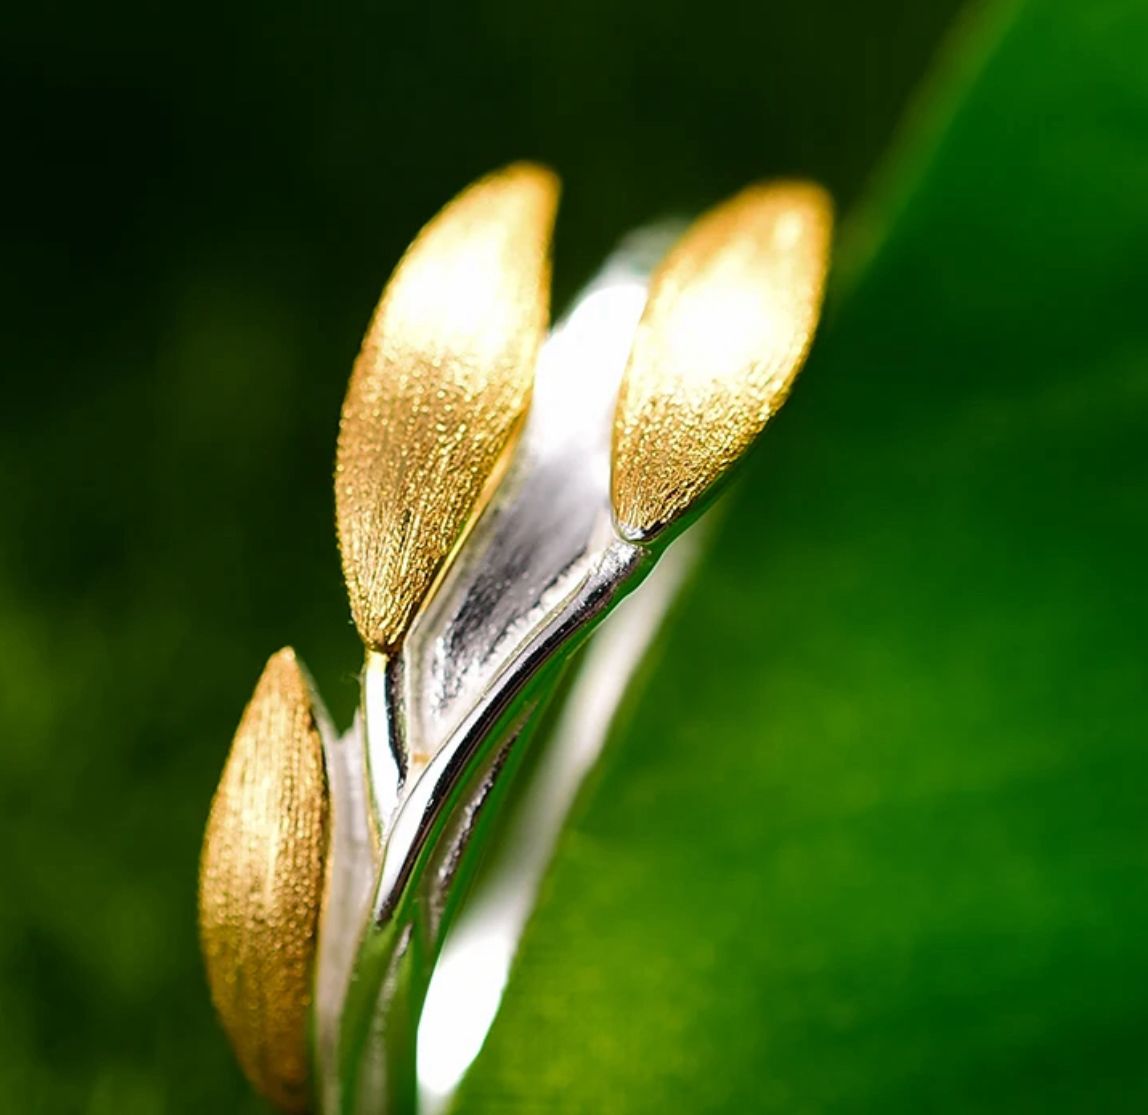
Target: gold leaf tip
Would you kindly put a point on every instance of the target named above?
(438, 392)
(730, 316)
(261, 882)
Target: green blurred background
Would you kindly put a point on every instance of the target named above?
(205, 203)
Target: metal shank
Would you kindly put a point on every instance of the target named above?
(444, 720)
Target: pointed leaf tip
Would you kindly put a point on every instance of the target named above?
(438, 392)
(261, 883)
(730, 316)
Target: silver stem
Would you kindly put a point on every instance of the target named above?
(468, 979)
(445, 721)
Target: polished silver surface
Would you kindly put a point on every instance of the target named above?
(353, 867)
(469, 976)
(544, 534)
(444, 723)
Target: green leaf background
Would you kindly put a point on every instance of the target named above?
(869, 833)
(870, 836)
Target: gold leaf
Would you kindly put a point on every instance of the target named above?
(261, 883)
(730, 317)
(438, 392)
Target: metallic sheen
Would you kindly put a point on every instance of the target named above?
(334, 867)
(454, 707)
(730, 318)
(261, 883)
(438, 393)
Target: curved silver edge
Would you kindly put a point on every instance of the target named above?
(353, 864)
(541, 568)
(470, 976)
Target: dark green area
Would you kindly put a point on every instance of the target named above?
(872, 834)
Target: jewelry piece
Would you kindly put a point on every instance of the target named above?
(490, 515)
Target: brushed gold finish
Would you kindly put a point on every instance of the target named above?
(261, 883)
(438, 392)
(729, 320)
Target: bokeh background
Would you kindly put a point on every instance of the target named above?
(204, 203)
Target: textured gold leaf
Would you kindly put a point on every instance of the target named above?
(261, 883)
(438, 392)
(731, 313)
